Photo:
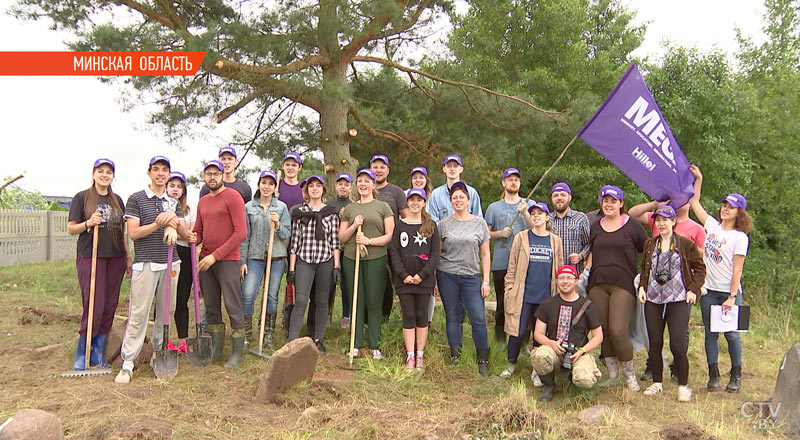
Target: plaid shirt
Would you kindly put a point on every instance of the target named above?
(308, 248)
(573, 229)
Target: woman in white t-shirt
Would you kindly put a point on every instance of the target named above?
(725, 250)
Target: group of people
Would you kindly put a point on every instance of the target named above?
(568, 278)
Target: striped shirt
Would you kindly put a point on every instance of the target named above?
(573, 229)
(306, 246)
(146, 206)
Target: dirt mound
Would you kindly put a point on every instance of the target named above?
(682, 431)
(34, 315)
(145, 429)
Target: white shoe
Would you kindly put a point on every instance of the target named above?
(655, 388)
(684, 393)
(509, 370)
(124, 376)
(377, 355)
(537, 382)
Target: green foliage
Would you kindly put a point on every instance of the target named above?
(14, 197)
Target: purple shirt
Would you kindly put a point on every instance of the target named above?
(290, 194)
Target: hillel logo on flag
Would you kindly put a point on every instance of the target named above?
(630, 131)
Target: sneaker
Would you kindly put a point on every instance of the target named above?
(411, 362)
(321, 347)
(537, 382)
(655, 388)
(124, 376)
(684, 393)
(377, 355)
(355, 353)
(183, 348)
(344, 322)
(509, 370)
(420, 363)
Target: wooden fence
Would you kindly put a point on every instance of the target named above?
(34, 236)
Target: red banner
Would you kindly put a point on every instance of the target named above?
(100, 63)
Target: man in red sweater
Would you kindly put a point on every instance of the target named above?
(221, 228)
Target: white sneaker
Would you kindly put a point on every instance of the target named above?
(684, 393)
(509, 370)
(124, 376)
(653, 389)
(377, 355)
(537, 382)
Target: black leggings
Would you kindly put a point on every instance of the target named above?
(498, 277)
(415, 309)
(674, 315)
(527, 318)
(183, 293)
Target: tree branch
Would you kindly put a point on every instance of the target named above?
(469, 101)
(371, 31)
(10, 181)
(384, 134)
(424, 89)
(414, 19)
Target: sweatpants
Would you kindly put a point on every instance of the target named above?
(615, 306)
(221, 283)
(674, 315)
(526, 317)
(371, 288)
(320, 276)
(414, 307)
(107, 282)
(145, 285)
(184, 293)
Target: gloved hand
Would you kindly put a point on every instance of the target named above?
(170, 235)
(337, 275)
(290, 277)
(505, 232)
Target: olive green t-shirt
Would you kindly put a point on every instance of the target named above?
(374, 212)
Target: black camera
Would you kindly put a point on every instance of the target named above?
(570, 349)
(662, 276)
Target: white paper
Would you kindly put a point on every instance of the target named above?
(725, 321)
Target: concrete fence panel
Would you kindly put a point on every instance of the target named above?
(34, 236)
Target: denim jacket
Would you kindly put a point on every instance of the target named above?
(254, 247)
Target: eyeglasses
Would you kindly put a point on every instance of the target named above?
(213, 174)
(565, 278)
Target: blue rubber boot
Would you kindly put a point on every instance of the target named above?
(80, 354)
(98, 354)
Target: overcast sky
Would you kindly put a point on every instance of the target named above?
(55, 127)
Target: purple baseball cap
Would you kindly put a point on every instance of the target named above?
(294, 156)
(422, 170)
(214, 163)
(613, 191)
(104, 161)
(177, 175)
(561, 186)
(155, 159)
(315, 177)
(459, 186)
(344, 176)
(539, 205)
(736, 200)
(454, 157)
(416, 192)
(665, 211)
(270, 174)
(229, 150)
(368, 172)
(511, 171)
(382, 157)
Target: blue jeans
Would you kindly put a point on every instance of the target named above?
(255, 273)
(460, 293)
(716, 298)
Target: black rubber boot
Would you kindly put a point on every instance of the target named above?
(248, 329)
(713, 377)
(217, 332)
(673, 372)
(237, 341)
(736, 379)
(483, 362)
(549, 385)
(455, 353)
(269, 331)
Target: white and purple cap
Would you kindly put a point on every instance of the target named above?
(540, 205)
(164, 159)
(229, 150)
(612, 191)
(294, 156)
(453, 157)
(344, 176)
(216, 164)
(416, 192)
(104, 161)
(315, 177)
(382, 157)
(665, 211)
(561, 186)
(736, 200)
(368, 172)
(510, 172)
(422, 170)
(177, 175)
(270, 174)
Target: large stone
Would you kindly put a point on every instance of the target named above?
(786, 398)
(292, 363)
(594, 416)
(114, 344)
(32, 424)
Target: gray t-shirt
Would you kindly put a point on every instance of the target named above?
(395, 197)
(461, 242)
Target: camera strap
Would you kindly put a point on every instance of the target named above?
(581, 311)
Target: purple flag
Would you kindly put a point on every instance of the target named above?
(630, 131)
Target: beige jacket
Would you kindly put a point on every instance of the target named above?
(515, 277)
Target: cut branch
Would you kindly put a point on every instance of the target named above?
(10, 181)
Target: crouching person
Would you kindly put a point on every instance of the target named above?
(563, 324)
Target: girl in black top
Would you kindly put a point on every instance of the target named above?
(414, 255)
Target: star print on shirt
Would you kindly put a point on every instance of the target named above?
(419, 239)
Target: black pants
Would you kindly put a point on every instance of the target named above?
(527, 318)
(388, 294)
(183, 293)
(306, 275)
(312, 306)
(675, 316)
(499, 314)
(415, 309)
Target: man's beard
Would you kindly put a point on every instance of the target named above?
(216, 186)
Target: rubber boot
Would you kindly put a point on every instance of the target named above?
(549, 385)
(736, 379)
(237, 341)
(98, 355)
(217, 332)
(713, 377)
(613, 373)
(269, 331)
(483, 362)
(248, 329)
(629, 373)
(455, 353)
(80, 354)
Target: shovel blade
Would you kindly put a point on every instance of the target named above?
(165, 364)
(199, 351)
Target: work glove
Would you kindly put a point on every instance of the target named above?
(170, 235)
(290, 277)
(337, 275)
(505, 232)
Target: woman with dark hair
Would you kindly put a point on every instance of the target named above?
(725, 251)
(465, 259)
(672, 274)
(613, 244)
(98, 207)
(176, 188)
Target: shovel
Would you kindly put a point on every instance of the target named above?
(165, 364)
(264, 299)
(199, 349)
(355, 302)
